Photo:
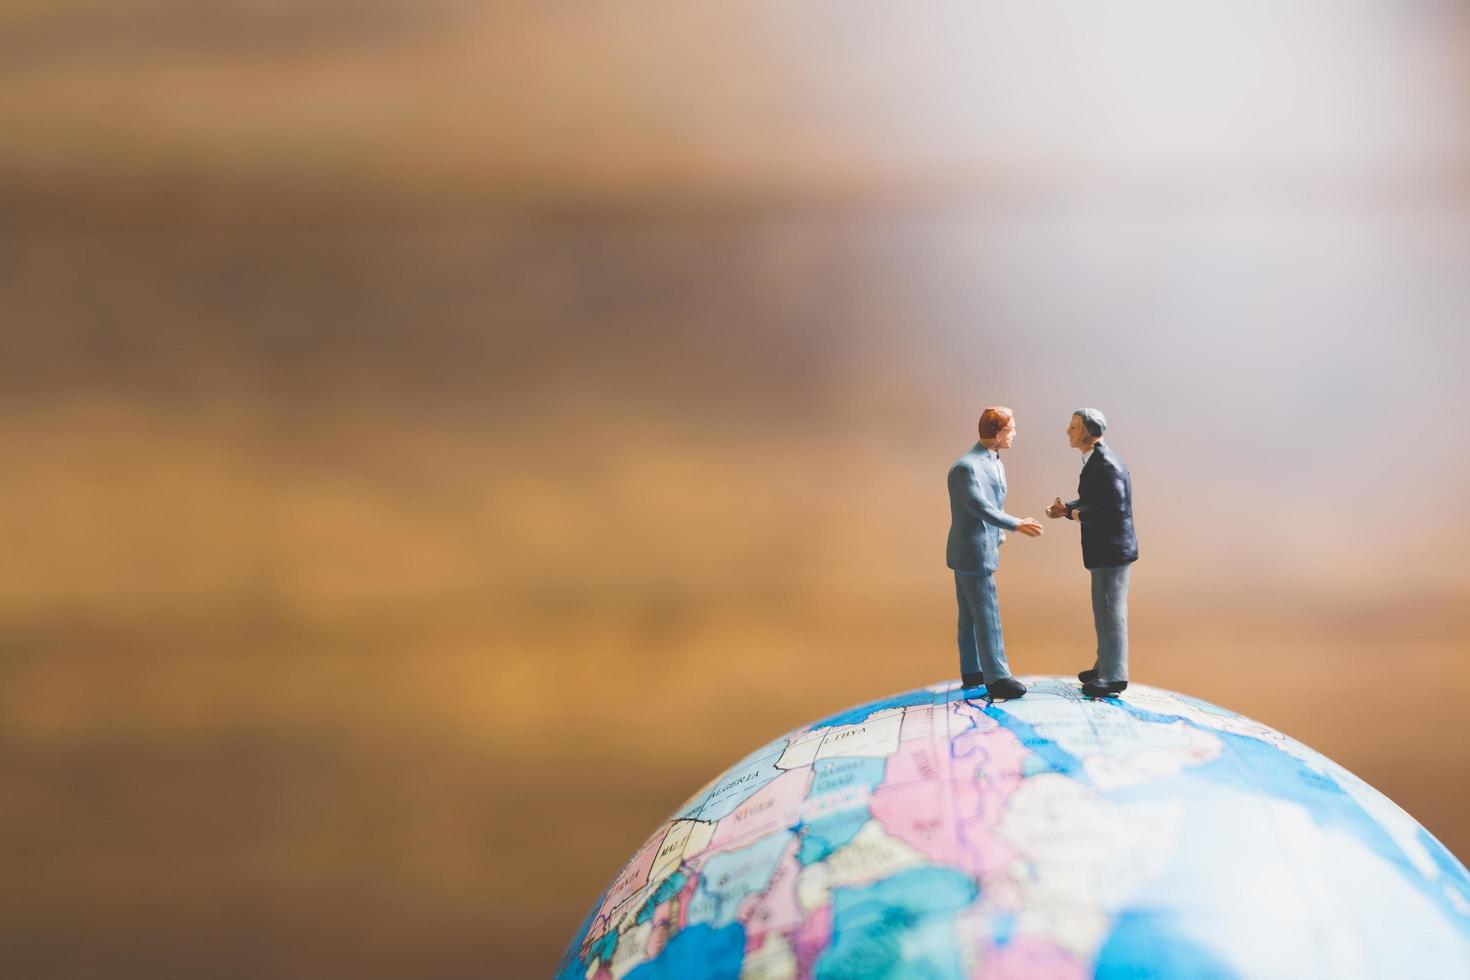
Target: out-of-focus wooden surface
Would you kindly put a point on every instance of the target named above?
(437, 439)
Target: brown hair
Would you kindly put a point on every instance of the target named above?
(993, 419)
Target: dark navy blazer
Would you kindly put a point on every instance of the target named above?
(1104, 505)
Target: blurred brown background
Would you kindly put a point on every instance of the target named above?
(438, 437)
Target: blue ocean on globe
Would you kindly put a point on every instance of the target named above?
(934, 834)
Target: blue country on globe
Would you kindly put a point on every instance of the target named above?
(939, 836)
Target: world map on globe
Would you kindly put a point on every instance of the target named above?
(935, 834)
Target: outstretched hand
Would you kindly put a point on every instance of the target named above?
(1030, 527)
(1057, 508)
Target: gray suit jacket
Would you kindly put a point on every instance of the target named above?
(977, 497)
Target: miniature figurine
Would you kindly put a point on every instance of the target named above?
(978, 522)
(1104, 506)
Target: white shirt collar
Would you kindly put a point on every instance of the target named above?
(1088, 455)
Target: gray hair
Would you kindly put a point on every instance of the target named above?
(1094, 421)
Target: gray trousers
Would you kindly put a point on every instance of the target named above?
(981, 646)
(1110, 618)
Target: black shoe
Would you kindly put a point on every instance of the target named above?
(1090, 674)
(1104, 689)
(1004, 689)
(972, 680)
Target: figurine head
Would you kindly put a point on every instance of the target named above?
(1086, 428)
(997, 427)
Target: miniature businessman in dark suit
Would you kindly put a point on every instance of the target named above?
(1104, 506)
(978, 522)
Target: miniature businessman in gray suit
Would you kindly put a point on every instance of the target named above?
(1104, 506)
(978, 522)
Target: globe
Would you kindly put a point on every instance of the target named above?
(934, 834)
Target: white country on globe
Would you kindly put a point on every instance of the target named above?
(933, 835)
